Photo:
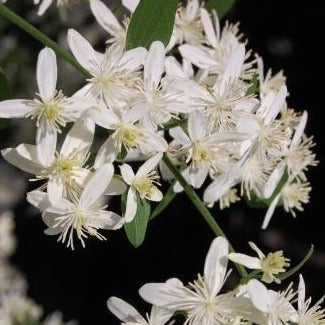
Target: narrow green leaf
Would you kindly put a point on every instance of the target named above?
(220, 6)
(152, 20)
(5, 93)
(254, 87)
(298, 266)
(136, 229)
(257, 202)
(163, 204)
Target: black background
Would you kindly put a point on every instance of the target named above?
(289, 36)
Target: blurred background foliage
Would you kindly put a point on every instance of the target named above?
(288, 35)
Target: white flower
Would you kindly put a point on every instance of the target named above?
(108, 21)
(160, 99)
(65, 171)
(129, 316)
(275, 307)
(271, 265)
(188, 26)
(141, 183)
(204, 148)
(307, 315)
(201, 300)
(52, 110)
(115, 74)
(128, 133)
(82, 216)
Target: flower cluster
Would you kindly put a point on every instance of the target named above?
(204, 302)
(15, 307)
(211, 110)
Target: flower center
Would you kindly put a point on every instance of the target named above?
(201, 154)
(145, 185)
(63, 167)
(50, 111)
(129, 135)
(275, 263)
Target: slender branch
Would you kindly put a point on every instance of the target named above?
(41, 37)
(205, 213)
(163, 204)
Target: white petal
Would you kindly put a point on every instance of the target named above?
(160, 316)
(124, 311)
(197, 126)
(259, 253)
(83, 51)
(55, 188)
(299, 130)
(80, 137)
(173, 68)
(23, 157)
(50, 220)
(133, 59)
(46, 138)
(198, 176)
(105, 118)
(208, 27)
(97, 185)
(277, 105)
(154, 65)
(301, 293)
(107, 153)
(154, 143)
(47, 73)
(15, 108)
(270, 211)
(62, 206)
(259, 295)
(274, 179)
(181, 138)
(149, 165)
(250, 262)
(130, 4)
(215, 266)
(39, 200)
(44, 6)
(127, 173)
(131, 205)
(197, 56)
(107, 220)
(115, 187)
(155, 195)
(105, 17)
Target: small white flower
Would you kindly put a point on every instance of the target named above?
(141, 183)
(61, 4)
(65, 171)
(82, 216)
(130, 316)
(308, 315)
(271, 265)
(161, 99)
(52, 110)
(201, 300)
(275, 307)
(115, 74)
(128, 133)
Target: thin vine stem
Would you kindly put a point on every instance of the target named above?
(205, 213)
(41, 37)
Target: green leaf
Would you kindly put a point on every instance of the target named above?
(5, 93)
(220, 6)
(295, 269)
(136, 229)
(254, 87)
(257, 202)
(163, 204)
(152, 20)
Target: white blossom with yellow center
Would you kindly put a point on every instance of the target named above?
(271, 265)
(81, 216)
(65, 171)
(201, 300)
(143, 183)
(115, 74)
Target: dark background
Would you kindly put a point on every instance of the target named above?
(289, 36)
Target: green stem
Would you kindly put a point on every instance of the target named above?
(41, 37)
(164, 203)
(201, 208)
